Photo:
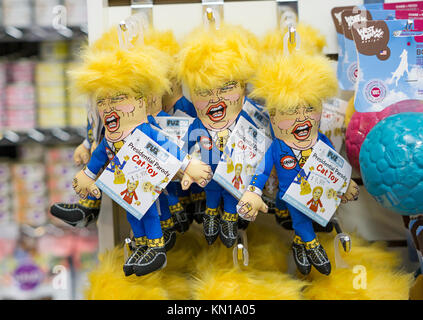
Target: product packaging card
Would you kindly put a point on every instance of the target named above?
(319, 186)
(244, 150)
(332, 122)
(175, 127)
(258, 115)
(147, 171)
(348, 75)
(179, 113)
(390, 58)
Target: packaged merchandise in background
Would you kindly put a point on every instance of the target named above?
(77, 104)
(349, 73)
(332, 121)
(391, 64)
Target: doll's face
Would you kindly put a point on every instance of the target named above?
(219, 107)
(132, 186)
(154, 105)
(298, 126)
(317, 193)
(121, 113)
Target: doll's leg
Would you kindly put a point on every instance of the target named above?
(306, 244)
(177, 210)
(154, 258)
(140, 244)
(79, 214)
(229, 220)
(282, 214)
(166, 222)
(197, 205)
(211, 216)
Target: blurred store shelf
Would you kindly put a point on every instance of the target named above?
(43, 136)
(36, 34)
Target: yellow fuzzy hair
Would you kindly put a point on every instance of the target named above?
(285, 81)
(384, 280)
(163, 40)
(311, 40)
(107, 70)
(349, 112)
(210, 57)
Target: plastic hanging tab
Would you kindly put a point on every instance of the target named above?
(345, 240)
(211, 18)
(131, 30)
(291, 39)
(240, 251)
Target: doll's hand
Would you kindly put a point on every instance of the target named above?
(250, 204)
(196, 171)
(81, 155)
(84, 186)
(352, 192)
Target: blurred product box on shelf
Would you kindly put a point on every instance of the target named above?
(51, 117)
(28, 171)
(59, 154)
(50, 73)
(17, 13)
(54, 50)
(21, 70)
(51, 96)
(31, 216)
(20, 95)
(31, 152)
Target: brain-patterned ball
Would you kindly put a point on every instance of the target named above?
(391, 163)
(362, 122)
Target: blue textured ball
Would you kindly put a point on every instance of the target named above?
(391, 163)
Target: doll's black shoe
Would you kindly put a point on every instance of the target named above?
(180, 218)
(211, 225)
(300, 257)
(317, 256)
(242, 224)
(74, 214)
(283, 218)
(128, 267)
(228, 229)
(169, 237)
(318, 228)
(154, 258)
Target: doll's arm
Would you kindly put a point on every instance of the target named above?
(352, 192)
(81, 154)
(194, 170)
(251, 201)
(84, 181)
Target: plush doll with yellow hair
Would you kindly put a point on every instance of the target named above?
(215, 65)
(122, 82)
(293, 87)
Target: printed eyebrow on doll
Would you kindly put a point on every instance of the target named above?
(119, 97)
(229, 85)
(203, 92)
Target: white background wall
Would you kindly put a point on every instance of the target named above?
(365, 216)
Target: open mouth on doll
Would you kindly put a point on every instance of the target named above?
(112, 122)
(302, 130)
(217, 112)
